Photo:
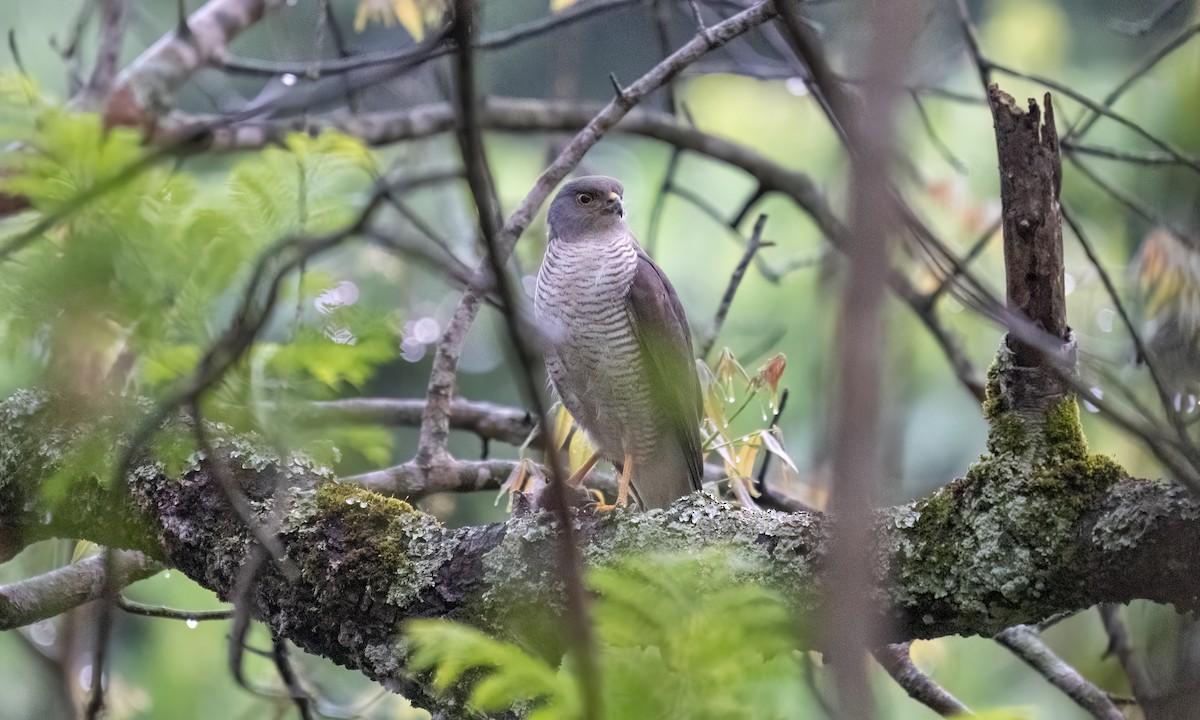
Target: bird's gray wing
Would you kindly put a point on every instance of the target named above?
(665, 342)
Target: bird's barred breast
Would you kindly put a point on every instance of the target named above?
(592, 354)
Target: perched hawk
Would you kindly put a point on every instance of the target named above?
(619, 351)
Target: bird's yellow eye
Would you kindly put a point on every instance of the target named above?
(584, 198)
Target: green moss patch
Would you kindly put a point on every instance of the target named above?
(995, 547)
(364, 531)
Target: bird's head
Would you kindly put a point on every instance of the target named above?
(587, 207)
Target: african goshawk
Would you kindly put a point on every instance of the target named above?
(619, 350)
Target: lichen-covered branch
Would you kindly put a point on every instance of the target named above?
(994, 549)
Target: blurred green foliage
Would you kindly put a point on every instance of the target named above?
(131, 291)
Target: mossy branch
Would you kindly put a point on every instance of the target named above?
(992, 549)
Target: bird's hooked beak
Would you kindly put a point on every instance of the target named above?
(614, 204)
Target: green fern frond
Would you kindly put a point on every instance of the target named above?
(511, 675)
(680, 636)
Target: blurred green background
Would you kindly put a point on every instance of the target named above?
(933, 428)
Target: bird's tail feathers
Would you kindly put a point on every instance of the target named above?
(661, 478)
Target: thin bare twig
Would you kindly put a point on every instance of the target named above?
(702, 204)
(697, 16)
(985, 65)
(660, 198)
(487, 420)
(705, 206)
(835, 102)
(919, 686)
(242, 589)
(1025, 644)
(751, 200)
(1120, 643)
(1139, 344)
(1130, 203)
(936, 139)
(982, 66)
(415, 56)
(735, 281)
(662, 30)
(155, 611)
(968, 375)
(103, 624)
(1125, 156)
(925, 90)
(69, 52)
(973, 252)
(283, 665)
(1151, 21)
(770, 496)
(329, 18)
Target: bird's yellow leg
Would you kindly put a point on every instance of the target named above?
(622, 486)
(577, 477)
(623, 481)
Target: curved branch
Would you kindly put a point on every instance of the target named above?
(27, 601)
(896, 659)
